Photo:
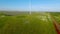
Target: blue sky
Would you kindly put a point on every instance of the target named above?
(36, 5)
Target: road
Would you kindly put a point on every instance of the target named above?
(56, 25)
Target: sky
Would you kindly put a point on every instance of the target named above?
(30, 5)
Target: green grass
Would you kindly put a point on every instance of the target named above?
(56, 16)
(26, 24)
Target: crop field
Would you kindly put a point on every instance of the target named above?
(36, 23)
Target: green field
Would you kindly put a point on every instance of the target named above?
(36, 23)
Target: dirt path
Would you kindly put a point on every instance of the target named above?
(56, 25)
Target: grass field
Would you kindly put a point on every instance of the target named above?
(36, 23)
(56, 16)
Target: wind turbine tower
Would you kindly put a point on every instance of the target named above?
(30, 6)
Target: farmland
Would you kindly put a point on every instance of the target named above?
(24, 23)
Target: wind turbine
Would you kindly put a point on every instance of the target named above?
(30, 6)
